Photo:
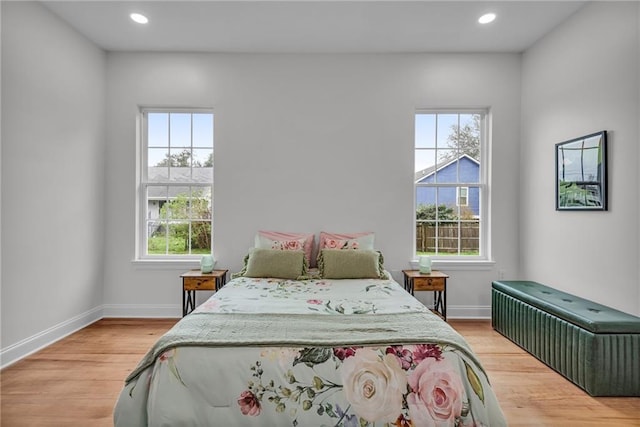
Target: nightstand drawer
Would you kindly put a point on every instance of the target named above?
(199, 283)
(428, 283)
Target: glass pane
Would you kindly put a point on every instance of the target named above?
(424, 164)
(203, 130)
(468, 170)
(425, 220)
(179, 242)
(157, 197)
(180, 170)
(425, 237)
(157, 238)
(178, 206)
(447, 130)
(468, 141)
(472, 209)
(447, 167)
(158, 157)
(158, 129)
(425, 131)
(202, 157)
(470, 227)
(180, 130)
(201, 237)
(425, 203)
(448, 232)
(201, 203)
(158, 161)
(181, 157)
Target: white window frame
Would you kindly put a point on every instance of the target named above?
(142, 184)
(484, 256)
(466, 196)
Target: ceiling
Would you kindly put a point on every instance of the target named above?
(336, 26)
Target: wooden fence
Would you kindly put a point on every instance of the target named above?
(448, 236)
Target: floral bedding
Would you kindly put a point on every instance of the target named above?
(272, 352)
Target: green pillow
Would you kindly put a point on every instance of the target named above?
(351, 264)
(274, 263)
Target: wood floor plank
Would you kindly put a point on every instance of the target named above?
(532, 394)
(76, 381)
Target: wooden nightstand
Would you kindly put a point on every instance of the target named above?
(196, 280)
(435, 281)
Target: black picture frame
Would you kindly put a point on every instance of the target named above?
(581, 173)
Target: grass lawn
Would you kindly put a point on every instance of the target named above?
(158, 246)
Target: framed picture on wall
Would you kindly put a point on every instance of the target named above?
(581, 173)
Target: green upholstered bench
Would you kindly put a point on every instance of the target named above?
(594, 346)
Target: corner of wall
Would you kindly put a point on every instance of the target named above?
(30, 345)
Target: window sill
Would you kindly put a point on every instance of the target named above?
(458, 264)
(167, 264)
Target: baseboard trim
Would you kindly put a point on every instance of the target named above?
(468, 312)
(34, 343)
(143, 310)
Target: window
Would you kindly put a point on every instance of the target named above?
(176, 183)
(463, 196)
(450, 184)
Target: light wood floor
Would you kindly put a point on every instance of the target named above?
(76, 381)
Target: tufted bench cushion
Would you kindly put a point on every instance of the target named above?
(594, 346)
(593, 317)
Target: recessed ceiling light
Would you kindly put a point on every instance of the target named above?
(139, 18)
(486, 18)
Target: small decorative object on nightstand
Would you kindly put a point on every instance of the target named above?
(436, 281)
(196, 280)
(424, 265)
(207, 263)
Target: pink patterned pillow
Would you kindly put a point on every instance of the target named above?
(347, 240)
(285, 241)
(288, 245)
(340, 244)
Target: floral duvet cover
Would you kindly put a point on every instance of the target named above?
(271, 352)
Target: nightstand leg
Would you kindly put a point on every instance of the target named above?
(444, 303)
(221, 281)
(408, 284)
(190, 304)
(440, 303)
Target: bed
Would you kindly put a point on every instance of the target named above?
(278, 346)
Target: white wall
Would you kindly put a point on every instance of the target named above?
(307, 143)
(53, 117)
(581, 78)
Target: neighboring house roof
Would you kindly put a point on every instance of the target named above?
(179, 174)
(161, 174)
(424, 173)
